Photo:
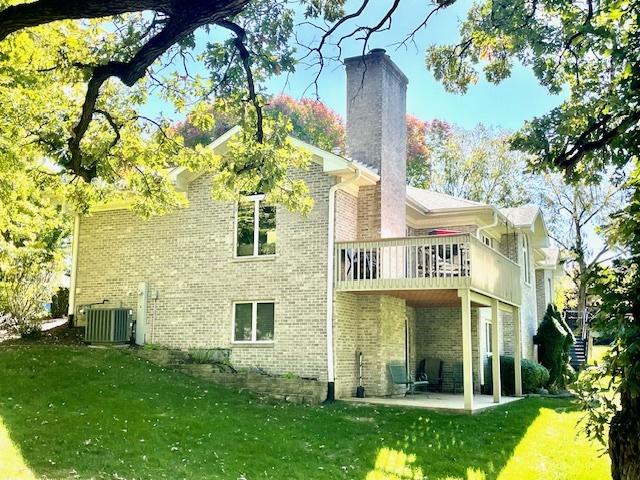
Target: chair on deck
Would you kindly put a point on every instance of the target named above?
(430, 369)
(399, 376)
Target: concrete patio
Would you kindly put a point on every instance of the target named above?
(442, 402)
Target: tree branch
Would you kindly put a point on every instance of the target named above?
(25, 15)
(241, 35)
(183, 17)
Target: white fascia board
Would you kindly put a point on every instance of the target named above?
(337, 165)
(466, 214)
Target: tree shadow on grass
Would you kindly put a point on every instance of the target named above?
(439, 446)
(90, 413)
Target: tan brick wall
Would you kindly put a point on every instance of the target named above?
(375, 326)
(508, 246)
(506, 320)
(346, 324)
(187, 257)
(439, 336)
(369, 212)
(393, 317)
(346, 225)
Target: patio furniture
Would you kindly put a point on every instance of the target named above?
(399, 376)
(458, 377)
(431, 369)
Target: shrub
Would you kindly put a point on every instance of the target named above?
(29, 330)
(60, 303)
(213, 355)
(554, 340)
(534, 376)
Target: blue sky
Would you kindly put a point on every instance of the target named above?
(506, 105)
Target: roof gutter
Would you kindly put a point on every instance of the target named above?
(494, 224)
(331, 387)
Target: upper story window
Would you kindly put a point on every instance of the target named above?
(488, 241)
(255, 227)
(526, 261)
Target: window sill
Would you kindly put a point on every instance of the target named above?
(252, 344)
(254, 258)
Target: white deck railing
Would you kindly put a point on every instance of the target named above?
(439, 261)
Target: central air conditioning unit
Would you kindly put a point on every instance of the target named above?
(107, 325)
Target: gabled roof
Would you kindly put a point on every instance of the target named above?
(550, 259)
(430, 200)
(332, 164)
(524, 216)
(529, 217)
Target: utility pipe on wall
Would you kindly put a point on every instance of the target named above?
(74, 270)
(330, 273)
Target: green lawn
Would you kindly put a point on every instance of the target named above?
(97, 413)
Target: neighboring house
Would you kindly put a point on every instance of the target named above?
(394, 272)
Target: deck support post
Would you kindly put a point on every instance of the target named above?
(467, 351)
(495, 348)
(517, 351)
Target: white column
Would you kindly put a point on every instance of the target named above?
(495, 348)
(517, 351)
(467, 351)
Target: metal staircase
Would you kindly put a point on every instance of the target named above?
(578, 322)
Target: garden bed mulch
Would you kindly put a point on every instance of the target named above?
(60, 335)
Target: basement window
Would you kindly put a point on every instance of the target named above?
(255, 227)
(253, 322)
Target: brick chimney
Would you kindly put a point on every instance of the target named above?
(376, 135)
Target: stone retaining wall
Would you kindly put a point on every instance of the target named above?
(296, 390)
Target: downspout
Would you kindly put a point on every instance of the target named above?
(482, 331)
(331, 386)
(74, 270)
(494, 224)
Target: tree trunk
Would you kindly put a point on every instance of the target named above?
(582, 296)
(624, 440)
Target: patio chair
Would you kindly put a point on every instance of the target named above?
(399, 376)
(457, 377)
(431, 369)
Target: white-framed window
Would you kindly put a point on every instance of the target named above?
(253, 322)
(487, 240)
(255, 227)
(488, 335)
(526, 261)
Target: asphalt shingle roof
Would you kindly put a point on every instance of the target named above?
(437, 201)
(521, 216)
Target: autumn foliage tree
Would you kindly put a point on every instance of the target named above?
(313, 122)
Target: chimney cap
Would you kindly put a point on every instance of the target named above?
(376, 55)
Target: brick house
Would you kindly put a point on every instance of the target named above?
(379, 268)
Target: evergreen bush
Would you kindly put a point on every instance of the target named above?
(60, 303)
(534, 376)
(554, 340)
